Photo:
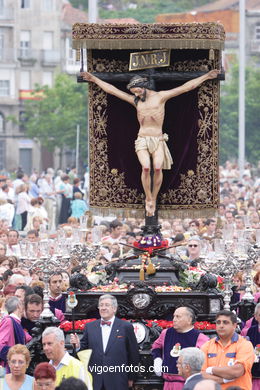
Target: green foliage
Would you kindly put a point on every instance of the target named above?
(53, 119)
(229, 115)
(146, 10)
(252, 115)
(79, 3)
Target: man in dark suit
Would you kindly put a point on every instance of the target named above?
(114, 348)
(189, 366)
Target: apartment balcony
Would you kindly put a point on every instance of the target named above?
(27, 57)
(7, 56)
(255, 46)
(6, 15)
(70, 66)
(50, 57)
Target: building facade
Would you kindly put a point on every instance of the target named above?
(227, 13)
(35, 44)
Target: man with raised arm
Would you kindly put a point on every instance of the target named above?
(151, 142)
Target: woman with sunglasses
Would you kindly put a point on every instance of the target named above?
(193, 249)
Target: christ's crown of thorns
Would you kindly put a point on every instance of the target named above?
(135, 82)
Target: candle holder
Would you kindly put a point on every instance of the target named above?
(224, 264)
(46, 264)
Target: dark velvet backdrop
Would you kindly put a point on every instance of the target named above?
(191, 121)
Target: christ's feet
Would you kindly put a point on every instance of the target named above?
(150, 206)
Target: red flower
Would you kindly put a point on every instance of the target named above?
(80, 324)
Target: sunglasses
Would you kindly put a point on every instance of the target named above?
(192, 246)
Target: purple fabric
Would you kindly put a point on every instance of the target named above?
(256, 384)
(254, 336)
(187, 339)
(59, 303)
(158, 350)
(12, 333)
(182, 115)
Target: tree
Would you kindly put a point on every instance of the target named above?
(147, 10)
(229, 115)
(53, 119)
(252, 114)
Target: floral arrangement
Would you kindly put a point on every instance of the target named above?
(116, 287)
(220, 284)
(163, 324)
(165, 288)
(97, 277)
(111, 287)
(191, 276)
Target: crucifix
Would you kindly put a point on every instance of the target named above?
(151, 148)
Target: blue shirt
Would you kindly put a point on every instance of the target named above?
(27, 384)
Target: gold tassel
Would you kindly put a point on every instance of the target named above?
(142, 270)
(211, 54)
(78, 55)
(150, 268)
(141, 273)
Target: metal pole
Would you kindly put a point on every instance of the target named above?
(241, 132)
(92, 11)
(77, 149)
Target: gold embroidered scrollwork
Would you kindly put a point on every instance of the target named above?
(198, 189)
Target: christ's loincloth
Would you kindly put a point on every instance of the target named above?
(151, 144)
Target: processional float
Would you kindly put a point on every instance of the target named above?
(169, 55)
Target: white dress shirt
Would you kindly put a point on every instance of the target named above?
(106, 330)
(65, 362)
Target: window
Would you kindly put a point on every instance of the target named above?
(22, 120)
(25, 43)
(69, 50)
(47, 79)
(4, 88)
(2, 123)
(47, 40)
(48, 5)
(1, 7)
(257, 31)
(25, 79)
(25, 3)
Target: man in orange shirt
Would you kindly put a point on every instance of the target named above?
(228, 357)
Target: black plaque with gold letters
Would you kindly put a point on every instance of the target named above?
(149, 59)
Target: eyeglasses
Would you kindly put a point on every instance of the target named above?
(17, 362)
(44, 384)
(192, 246)
(104, 305)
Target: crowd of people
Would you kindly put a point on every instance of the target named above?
(46, 215)
(49, 200)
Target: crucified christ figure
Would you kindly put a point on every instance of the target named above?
(151, 142)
